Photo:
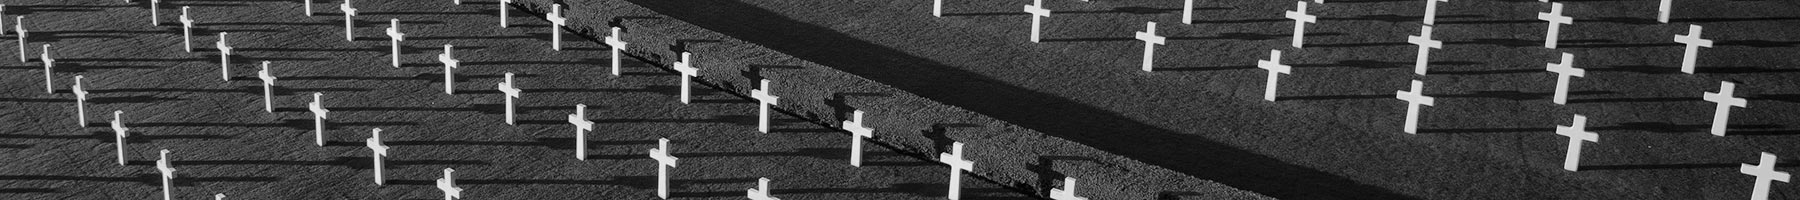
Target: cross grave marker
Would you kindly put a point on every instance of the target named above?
(511, 93)
(448, 185)
(118, 127)
(1300, 20)
(1693, 42)
(958, 164)
(857, 133)
(1276, 69)
(450, 63)
(686, 67)
(1038, 13)
(1765, 173)
(556, 23)
(1725, 101)
(764, 99)
(1564, 71)
(1556, 20)
(664, 161)
(268, 88)
(1150, 41)
(761, 192)
(224, 57)
(379, 150)
(1425, 43)
(1414, 99)
(1067, 192)
(617, 45)
(349, 21)
(319, 115)
(1577, 132)
(582, 126)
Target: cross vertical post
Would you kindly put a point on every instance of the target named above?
(1425, 43)
(1577, 132)
(958, 164)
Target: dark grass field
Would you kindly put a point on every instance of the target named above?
(1335, 132)
(222, 141)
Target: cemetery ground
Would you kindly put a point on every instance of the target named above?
(1334, 131)
(222, 141)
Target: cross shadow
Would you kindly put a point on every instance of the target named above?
(1509, 42)
(1046, 171)
(1225, 36)
(1730, 19)
(1392, 18)
(1790, 98)
(1138, 10)
(1517, 95)
(754, 72)
(1641, 45)
(1758, 43)
(840, 103)
(1642, 69)
(1741, 70)
(682, 45)
(1635, 100)
(940, 135)
(340, 22)
(29, 190)
(131, 99)
(1684, 166)
(1212, 68)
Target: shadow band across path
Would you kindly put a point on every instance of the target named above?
(1184, 153)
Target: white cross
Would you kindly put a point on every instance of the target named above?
(308, 4)
(450, 62)
(1300, 19)
(1556, 20)
(224, 57)
(686, 67)
(582, 126)
(448, 185)
(1662, 11)
(1764, 172)
(664, 161)
(1273, 64)
(187, 30)
(48, 64)
(557, 22)
(168, 174)
(937, 8)
(511, 93)
(118, 126)
(1693, 41)
(19, 27)
(457, 2)
(761, 192)
(1150, 41)
(958, 164)
(617, 45)
(503, 5)
(1187, 12)
(1723, 110)
(1563, 71)
(268, 88)
(220, 196)
(379, 150)
(1038, 13)
(1577, 133)
(765, 98)
(1431, 11)
(349, 23)
(1067, 192)
(319, 115)
(1425, 45)
(1413, 99)
(857, 133)
(394, 38)
(153, 8)
(81, 96)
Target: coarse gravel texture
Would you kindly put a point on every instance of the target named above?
(223, 142)
(1335, 132)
